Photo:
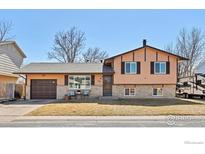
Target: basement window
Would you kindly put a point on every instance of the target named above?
(129, 92)
(157, 92)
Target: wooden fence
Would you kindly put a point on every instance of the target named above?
(11, 91)
(7, 90)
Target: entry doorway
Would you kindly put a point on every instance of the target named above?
(107, 85)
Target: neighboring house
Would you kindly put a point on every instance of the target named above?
(145, 72)
(11, 58)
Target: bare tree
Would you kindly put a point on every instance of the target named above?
(170, 48)
(190, 45)
(5, 29)
(67, 45)
(94, 55)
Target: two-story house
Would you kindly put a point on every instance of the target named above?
(11, 59)
(145, 72)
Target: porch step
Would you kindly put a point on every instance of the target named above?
(108, 98)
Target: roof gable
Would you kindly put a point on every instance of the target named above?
(15, 45)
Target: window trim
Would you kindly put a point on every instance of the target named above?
(129, 92)
(157, 94)
(78, 76)
(130, 67)
(160, 67)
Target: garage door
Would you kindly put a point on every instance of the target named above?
(43, 89)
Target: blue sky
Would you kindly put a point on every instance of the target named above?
(115, 31)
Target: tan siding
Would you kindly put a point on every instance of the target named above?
(7, 66)
(12, 52)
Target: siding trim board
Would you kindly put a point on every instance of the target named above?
(145, 54)
(156, 56)
(133, 56)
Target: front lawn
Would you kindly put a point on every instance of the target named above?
(121, 108)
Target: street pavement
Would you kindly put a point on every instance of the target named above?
(117, 121)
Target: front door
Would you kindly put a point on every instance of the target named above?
(107, 85)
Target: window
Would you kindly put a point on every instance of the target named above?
(129, 92)
(130, 68)
(160, 67)
(80, 82)
(157, 92)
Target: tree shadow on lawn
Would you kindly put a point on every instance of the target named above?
(148, 102)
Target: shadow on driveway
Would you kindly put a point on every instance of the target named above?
(32, 102)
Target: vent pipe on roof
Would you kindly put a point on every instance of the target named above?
(144, 43)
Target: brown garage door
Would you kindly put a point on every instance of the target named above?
(43, 89)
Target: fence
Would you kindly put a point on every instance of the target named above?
(11, 91)
(7, 90)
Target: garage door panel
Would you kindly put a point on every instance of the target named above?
(43, 89)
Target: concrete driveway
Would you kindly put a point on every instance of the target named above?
(13, 110)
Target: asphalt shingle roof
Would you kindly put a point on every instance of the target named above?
(64, 68)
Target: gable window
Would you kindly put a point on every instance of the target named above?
(79, 81)
(129, 92)
(130, 67)
(160, 67)
(157, 92)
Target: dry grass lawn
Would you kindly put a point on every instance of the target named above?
(122, 108)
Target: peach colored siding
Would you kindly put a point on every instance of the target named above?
(7, 79)
(59, 77)
(145, 77)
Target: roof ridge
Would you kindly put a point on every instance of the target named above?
(60, 63)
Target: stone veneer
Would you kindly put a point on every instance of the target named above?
(96, 91)
(144, 91)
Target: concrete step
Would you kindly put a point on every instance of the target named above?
(108, 98)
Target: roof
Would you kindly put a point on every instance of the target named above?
(180, 57)
(33, 68)
(15, 44)
(7, 67)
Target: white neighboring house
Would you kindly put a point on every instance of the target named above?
(11, 59)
